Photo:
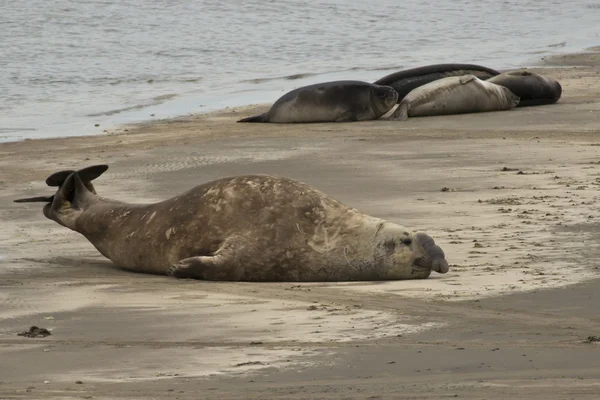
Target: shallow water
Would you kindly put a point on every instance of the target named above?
(68, 65)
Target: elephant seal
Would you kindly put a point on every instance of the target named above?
(455, 95)
(337, 101)
(242, 228)
(405, 81)
(532, 88)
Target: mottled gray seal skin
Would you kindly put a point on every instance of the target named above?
(243, 228)
(532, 88)
(407, 80)
(455, 95)
(337, 101)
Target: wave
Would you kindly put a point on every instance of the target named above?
(278, 78)
(100, 81)
(155, 101)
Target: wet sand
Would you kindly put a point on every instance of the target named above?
(511, 197)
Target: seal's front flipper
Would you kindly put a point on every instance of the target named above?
(401, 113)
(218, 267)
(200, 267)
(346, 116)
(466, 79)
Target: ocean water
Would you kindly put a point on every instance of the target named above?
(70, 64)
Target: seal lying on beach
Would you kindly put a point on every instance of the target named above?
(405, 81)
(532, 88)
(242, 228)
(455, 95)
(337, 101)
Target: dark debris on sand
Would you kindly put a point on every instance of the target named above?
(35, 332)
(592, 339)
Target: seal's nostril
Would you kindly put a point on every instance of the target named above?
(407, 242)
(440, 265)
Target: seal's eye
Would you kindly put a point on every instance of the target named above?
(390, 246)
(407, 241)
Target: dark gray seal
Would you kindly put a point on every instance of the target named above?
(405, 81)
(532, 88)
(338, 101)
(242, 228)
(455, 95)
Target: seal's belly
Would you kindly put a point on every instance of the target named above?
(299, 112)
(457, 100)
(327, 252)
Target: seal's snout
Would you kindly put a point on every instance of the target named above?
(557, 90)
(387, 94)
(391, 96)
(440, 265)
(433, 256)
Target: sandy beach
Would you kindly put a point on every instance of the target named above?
(510, 196)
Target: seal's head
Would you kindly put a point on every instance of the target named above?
(557, 90)
(74, 194)
(431, 255)
(384, 98)
(547, 87)
(535, 85)
(511, 98)
(405, 254)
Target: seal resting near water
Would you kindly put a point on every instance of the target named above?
(532, 88)
(242, 228)
(337, 101)
(405, 81)
(455, 95)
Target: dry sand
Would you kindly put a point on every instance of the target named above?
(517, 218)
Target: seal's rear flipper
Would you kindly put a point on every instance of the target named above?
(38, 199)
(72, 194)
(257, 118)
(57, 179)
(86, 174)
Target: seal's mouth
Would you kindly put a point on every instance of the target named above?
(438, 265)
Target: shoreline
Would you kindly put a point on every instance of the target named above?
(552, 61)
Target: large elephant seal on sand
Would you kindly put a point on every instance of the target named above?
(532, 88)
(338, 101)
(405, 81)
(455, 95)
(242, 228)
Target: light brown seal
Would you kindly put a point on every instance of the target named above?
(455, 95)
(242, 228)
